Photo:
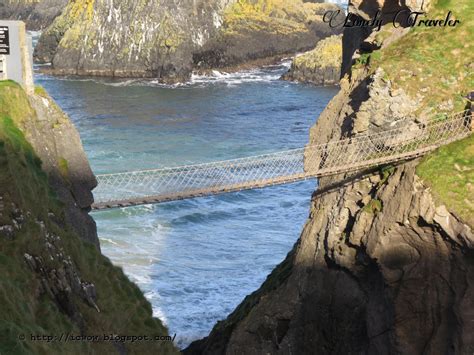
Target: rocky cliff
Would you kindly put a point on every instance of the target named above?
(57, 143)
(37, 14)
(320, 66)
(56, 286)
(385, 262)
(168, 39)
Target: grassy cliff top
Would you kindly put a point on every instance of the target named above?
(434, 63)
(36, 219)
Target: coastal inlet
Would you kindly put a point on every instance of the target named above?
(196, 259)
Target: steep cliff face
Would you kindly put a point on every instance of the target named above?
(167, 39)
(58, 145)
(37, 14)
(381, 267)
(56, 286)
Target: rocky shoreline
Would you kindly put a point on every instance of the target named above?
(170, 42)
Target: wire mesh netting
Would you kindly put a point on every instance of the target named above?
(148, 186)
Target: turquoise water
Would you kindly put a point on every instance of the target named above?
(196, 259)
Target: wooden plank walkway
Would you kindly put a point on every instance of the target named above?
(337, 157)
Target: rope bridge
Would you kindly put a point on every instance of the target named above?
(169, 184)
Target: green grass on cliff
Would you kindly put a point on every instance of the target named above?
(434, 63)
(24, 308)
(449, 171)
(436, 66)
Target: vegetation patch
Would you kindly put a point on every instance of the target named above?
(436, 63)
(449, 171)
(374, 206)
(14, 102)
(283, 17)
(328, 53)
(39, 90)
(385, 173)
(64, 168)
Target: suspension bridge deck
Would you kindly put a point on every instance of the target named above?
(313, 161)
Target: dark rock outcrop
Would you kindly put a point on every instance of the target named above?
(379, 268)
(354, 39)
(37, 14)
(168, 39)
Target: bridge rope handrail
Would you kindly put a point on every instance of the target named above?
(262, 156)
(351, 153)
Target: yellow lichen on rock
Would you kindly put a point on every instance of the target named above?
(280, 16)
(81, 7)
(327, 53)
(321, 66)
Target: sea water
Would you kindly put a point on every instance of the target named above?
(195, 259)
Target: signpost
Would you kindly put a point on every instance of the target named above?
(4, 40)
(15, 54)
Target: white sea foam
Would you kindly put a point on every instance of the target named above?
(264, 74)
(108, 240)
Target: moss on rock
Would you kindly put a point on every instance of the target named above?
(320, 66)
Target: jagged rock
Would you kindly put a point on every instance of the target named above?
(37, 14)
(30, 260)
(356, 280)
(384, 108)
(7, 232)
(58, 144)
(321, 66)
